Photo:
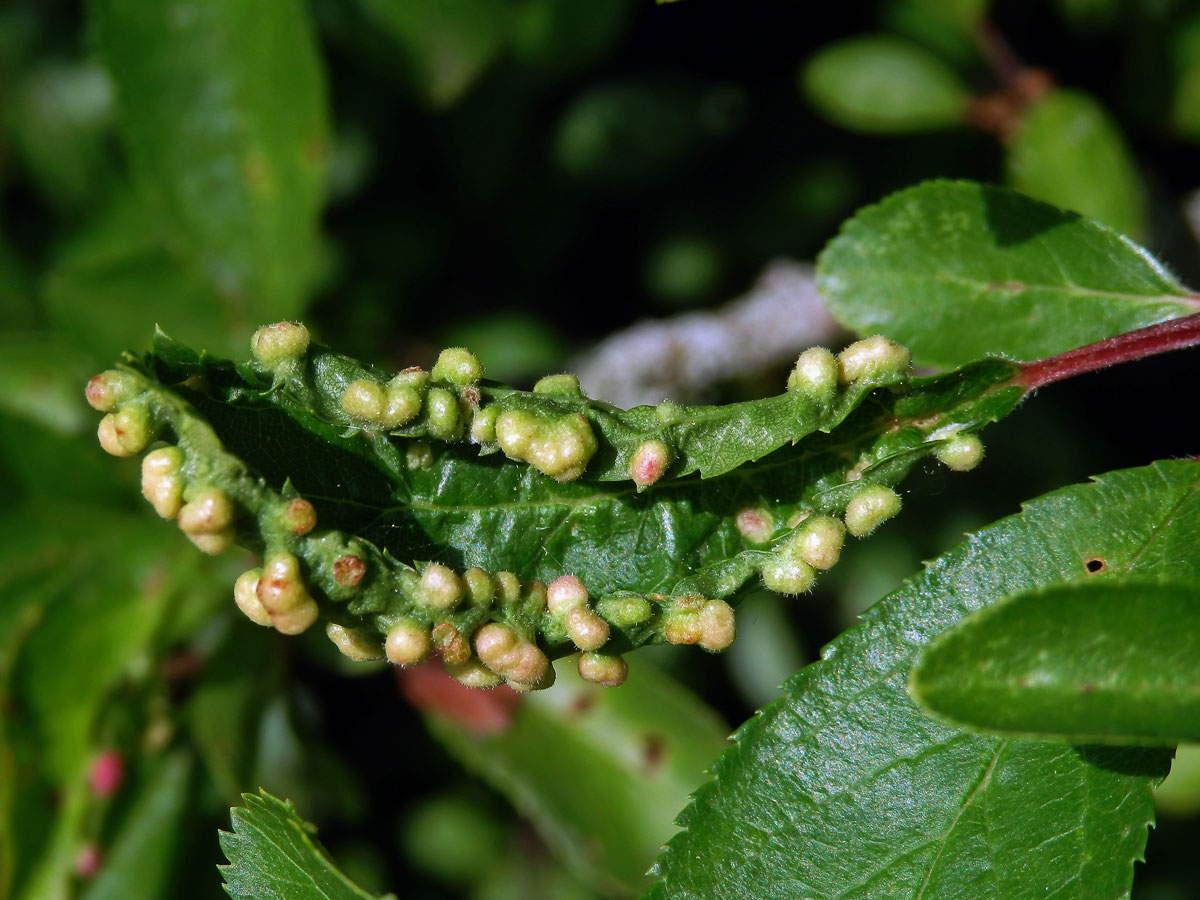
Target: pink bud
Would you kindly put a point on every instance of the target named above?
(108, 771)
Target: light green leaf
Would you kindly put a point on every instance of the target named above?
(1068, 151)
(1111, 659)
(884, 84)
(958, 270)
(447, 45)
(222, 107)
(274, 855)
(844, 789)
(600, 772)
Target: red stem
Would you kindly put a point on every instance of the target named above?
(998, 53)
(1174, 334)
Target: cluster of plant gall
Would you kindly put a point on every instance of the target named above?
(487, 627)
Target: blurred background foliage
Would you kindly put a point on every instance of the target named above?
(524, 177)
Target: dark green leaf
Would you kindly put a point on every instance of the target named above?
(884, 84)
(274, 855)
(222, 107)
(844, 789)
(447, 45)
(1185, 104)
(1109, 659)
(1068, 151)
(958, 270)
(226, 708)
(600, 772)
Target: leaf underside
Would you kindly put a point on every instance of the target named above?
(843, 789)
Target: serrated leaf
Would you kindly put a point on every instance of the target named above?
(1113, 659)
(844, 789)
(956, 271)
(1068, 151)
(274, 855)
(222, 107)
(884, 84)
(600, 773)
(263, 438)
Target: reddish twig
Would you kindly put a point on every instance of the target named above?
(1174, 334)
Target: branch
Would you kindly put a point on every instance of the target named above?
(1174, 334)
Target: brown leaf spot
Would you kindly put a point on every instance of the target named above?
(348, 570)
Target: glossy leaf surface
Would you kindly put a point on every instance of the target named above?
(845, 789)
(1108, 659)
(929, 263)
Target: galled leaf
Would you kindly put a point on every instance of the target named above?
(928, 263)
(655, 514)
(1110, 659)
(844, 789)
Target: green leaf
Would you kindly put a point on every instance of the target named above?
(39, 381)
(394, 500)
(962, 14)
(118, 266)
(222, 107)
(958, 270)
(225, 709)
(600, 773)
(274, 855)
(1185, 101)
(60, 116)
(138, 864)
(845, 789)
(884, 84)
(1068, 151)
(107, 571)
(447, 45)
(1109, 659)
